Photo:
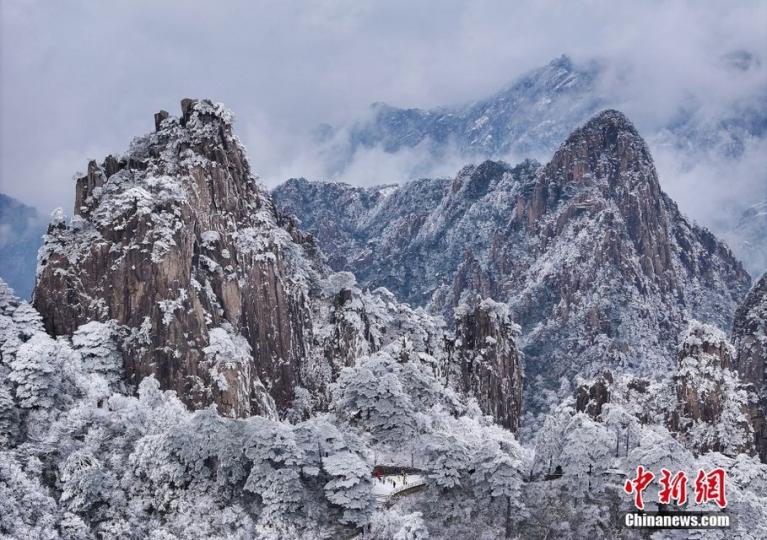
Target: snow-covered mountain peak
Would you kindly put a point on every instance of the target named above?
(178, 243)
(609, 124)
(534, 114)
(583, 249)
(606, 151)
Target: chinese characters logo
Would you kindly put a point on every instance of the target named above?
(709, 487)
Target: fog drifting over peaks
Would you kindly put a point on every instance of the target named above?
(80, 79)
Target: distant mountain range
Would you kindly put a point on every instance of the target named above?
(531, 116)
(748, 237)
(597, 264)
(21, 230)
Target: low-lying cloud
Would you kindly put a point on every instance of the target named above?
(79, 78)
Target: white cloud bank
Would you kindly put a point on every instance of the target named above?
(78, 79)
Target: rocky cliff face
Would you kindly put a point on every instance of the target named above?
(750, 339)
(177, 242)
(374, 232)
(602, 248)
(597, 264)
(488, 360)
(591, 398)
(215, 292)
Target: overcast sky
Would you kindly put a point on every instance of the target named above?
(80, 79)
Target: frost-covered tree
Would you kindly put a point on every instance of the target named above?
(82, 456)
(85, 484)
(18, 322)
(36, 370)
(449, 461)
(97, 345)
(395, 525)
(27, 509)
(371, 395)
(349, 487)
(9, 417)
